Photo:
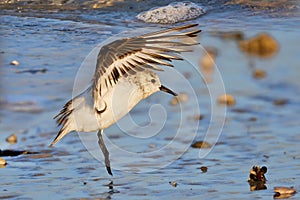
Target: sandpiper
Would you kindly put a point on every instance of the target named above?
(124, 75)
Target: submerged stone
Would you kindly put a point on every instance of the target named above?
(201, 145)
(262, 45)
(283, 192)
(259, 73)
(12, 139)
(226, 99)
(2, 162)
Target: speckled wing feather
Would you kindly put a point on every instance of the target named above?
(127, 56)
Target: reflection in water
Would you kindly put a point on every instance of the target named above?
(257, 185)
(111, 188)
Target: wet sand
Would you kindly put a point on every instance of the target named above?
(261, 127)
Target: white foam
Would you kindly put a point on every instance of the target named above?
(172, 13)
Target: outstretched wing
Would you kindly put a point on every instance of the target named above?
(127, 56)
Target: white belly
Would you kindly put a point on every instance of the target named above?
(120, 101)
(117, 102)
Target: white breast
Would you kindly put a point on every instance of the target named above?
(116, 103)
(126, 94)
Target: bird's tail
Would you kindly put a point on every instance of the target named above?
(65, 119)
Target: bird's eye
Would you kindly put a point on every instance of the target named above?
(152, 80)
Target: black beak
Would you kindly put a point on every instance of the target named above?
(165, 89)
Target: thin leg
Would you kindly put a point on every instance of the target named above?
(104, 151)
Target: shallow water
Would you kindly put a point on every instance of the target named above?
(256, 131)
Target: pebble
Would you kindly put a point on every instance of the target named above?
(259, 73)
(180, 98)
(227, 99)
(252, 119)
(14, 62)
(257, 173)
(280, 102)
(203, 169)
(207, 61)
(173, 183)
(198, 117)
(201, 145)
(12, 139)
(2, 162)
(257, 179)
(262, 45)
(172, 13)
(283, 192)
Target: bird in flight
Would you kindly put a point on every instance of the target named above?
(124, 75)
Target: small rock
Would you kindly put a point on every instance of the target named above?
(259, 73)
(226, 99)
(198, 117)
(257, 179)
(257, 173)
(203, 169)
(2, 162)
(201, 145)
(207, 64)
(262, 45)
(283, 192)
(173, 183)
(252, 119)
(12, 139)
(180, 98)
(14, 62)
(207, 61)
(280, 102)
(172, 13)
